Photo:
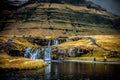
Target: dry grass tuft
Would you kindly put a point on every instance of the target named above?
(19, 63)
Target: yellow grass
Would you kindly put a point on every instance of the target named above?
(3, 39)
(18, 43)
(19, 63)
(44, 23)
(92, 58)
(76, 43)
(24, 42)
(110, 42)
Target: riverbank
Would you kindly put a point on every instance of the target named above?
(98, 59)
(19, 63)
(86, 61)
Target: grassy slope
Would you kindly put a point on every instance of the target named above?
(109, 42)
(37, 16)
(88, 21)
(17, 44)
(17, 63)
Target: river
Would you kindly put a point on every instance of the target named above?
(67, 71)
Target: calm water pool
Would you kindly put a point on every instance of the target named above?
(67, 71)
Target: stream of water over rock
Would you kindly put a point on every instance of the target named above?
(32, 53)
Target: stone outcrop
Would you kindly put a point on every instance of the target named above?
(75, 51)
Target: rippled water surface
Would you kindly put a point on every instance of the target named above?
(67, 71)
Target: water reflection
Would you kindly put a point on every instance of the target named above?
(48, 72)
(67, 71)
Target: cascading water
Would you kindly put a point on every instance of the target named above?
(49, 43)
(47, 72)
(47, 53)
(27, 51)
(55, 42)
(35, 54)
(70, 51)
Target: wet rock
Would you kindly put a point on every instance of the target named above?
(15, 53)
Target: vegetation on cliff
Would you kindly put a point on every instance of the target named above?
(44, 18)
(61, 18)
(104, 45)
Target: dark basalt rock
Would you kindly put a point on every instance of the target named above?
(15, 53)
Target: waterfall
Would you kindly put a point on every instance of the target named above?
(47, 58)
(35, 54)
(27, 51)
(49, 43)
(47, 72)
(47, 52)
(55, 42)
(70, 51)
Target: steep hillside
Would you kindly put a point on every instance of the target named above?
(61, 18)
